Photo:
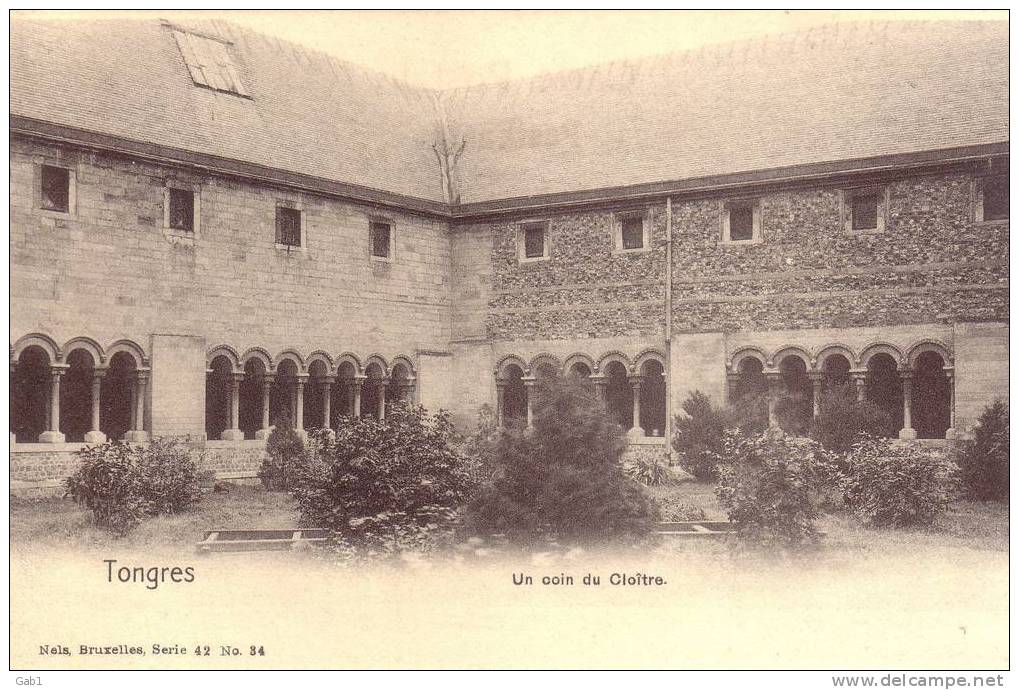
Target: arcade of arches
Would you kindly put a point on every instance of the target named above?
(245, 397)
(634, 394)
(784, 391)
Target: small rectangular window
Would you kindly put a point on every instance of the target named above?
(865, 211)
(288, 227)
(633, 232)
(182, 210)
(382, 236)
(741, 222)
(995, 197)
(56, 188)
(534, 240)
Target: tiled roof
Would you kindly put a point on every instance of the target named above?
(308, 113)
(837, 93)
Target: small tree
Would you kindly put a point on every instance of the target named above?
(842, 418)
(895, 484)
(768, 487)
(284, 455)
(984, 461)
(563, 478)
(698, 436)
(383, 485)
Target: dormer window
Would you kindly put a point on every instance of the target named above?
(209, 63)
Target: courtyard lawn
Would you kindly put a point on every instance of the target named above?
(967, 524)
(59, 523)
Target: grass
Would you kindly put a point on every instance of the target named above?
(60, 523)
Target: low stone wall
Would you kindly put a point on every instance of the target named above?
(39, 469)
(649, 449)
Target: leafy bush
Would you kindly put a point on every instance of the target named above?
(984, 461)
(842, 419)
(564, 477)
(767, 487)
(122, 484)
(385, 485)
(749, 413)
(646, 472)
(894, 484)
(672, 509)
(284, 456)
(479, 445)
(698, 436)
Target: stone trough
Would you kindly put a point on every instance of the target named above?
(260, 539)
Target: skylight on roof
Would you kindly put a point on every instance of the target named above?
(209, 63)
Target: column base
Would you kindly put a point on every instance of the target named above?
(263, 434)
(774, 432)
(95, 437)
(907, 434)
(51, 437)
(137, 436)
(951, 434)
(232, 435)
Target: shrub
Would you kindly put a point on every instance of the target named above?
(284, 455)
(479, 445)
(749, 413)
(122, 484)
(984, 461)
(564, 477)
(767, 487)
(895, 484)
(385, 485)
(842, 419)
(672, 509)
(697, 437)
(646, 472)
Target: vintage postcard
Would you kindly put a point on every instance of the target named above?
(510, 340)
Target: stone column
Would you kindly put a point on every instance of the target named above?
(234, 433)
(817, 378)
(860, 379)
(52, 434)
(358, 385)
(950, 433)
(267, 381)
(907, 431)
(529, 383)
(299, 402)
(327, 401)
(635, 429)
(500, 397)
(383, 383)
(774, 392)
(94, 435)
(731, 387)
(602, 386)
(138, 434)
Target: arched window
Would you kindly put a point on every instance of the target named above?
(30, 391)
(749, 395)
(76, 396)
(314, 397)
(884, 386)
(252, 396)
(401, 386)
(580, 370)
(117, 408)
(836, 371)
(514, 406)
(371, 394)
(931, 396)
(652, 398)
(343, 394)
(619, 394)
(218, 396)
(283, 398)
(795, 409)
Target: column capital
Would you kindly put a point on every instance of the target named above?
(327, 380)
(99, 371)
(268, 378)
(905, 373)
(500, 384)
(236, 377)
(301, 379)
(529, 381)
(59, 370)
(635, 380)
(816, 376)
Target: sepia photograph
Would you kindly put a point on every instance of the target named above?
(515, 339)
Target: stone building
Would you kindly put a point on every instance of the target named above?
(211, 228)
